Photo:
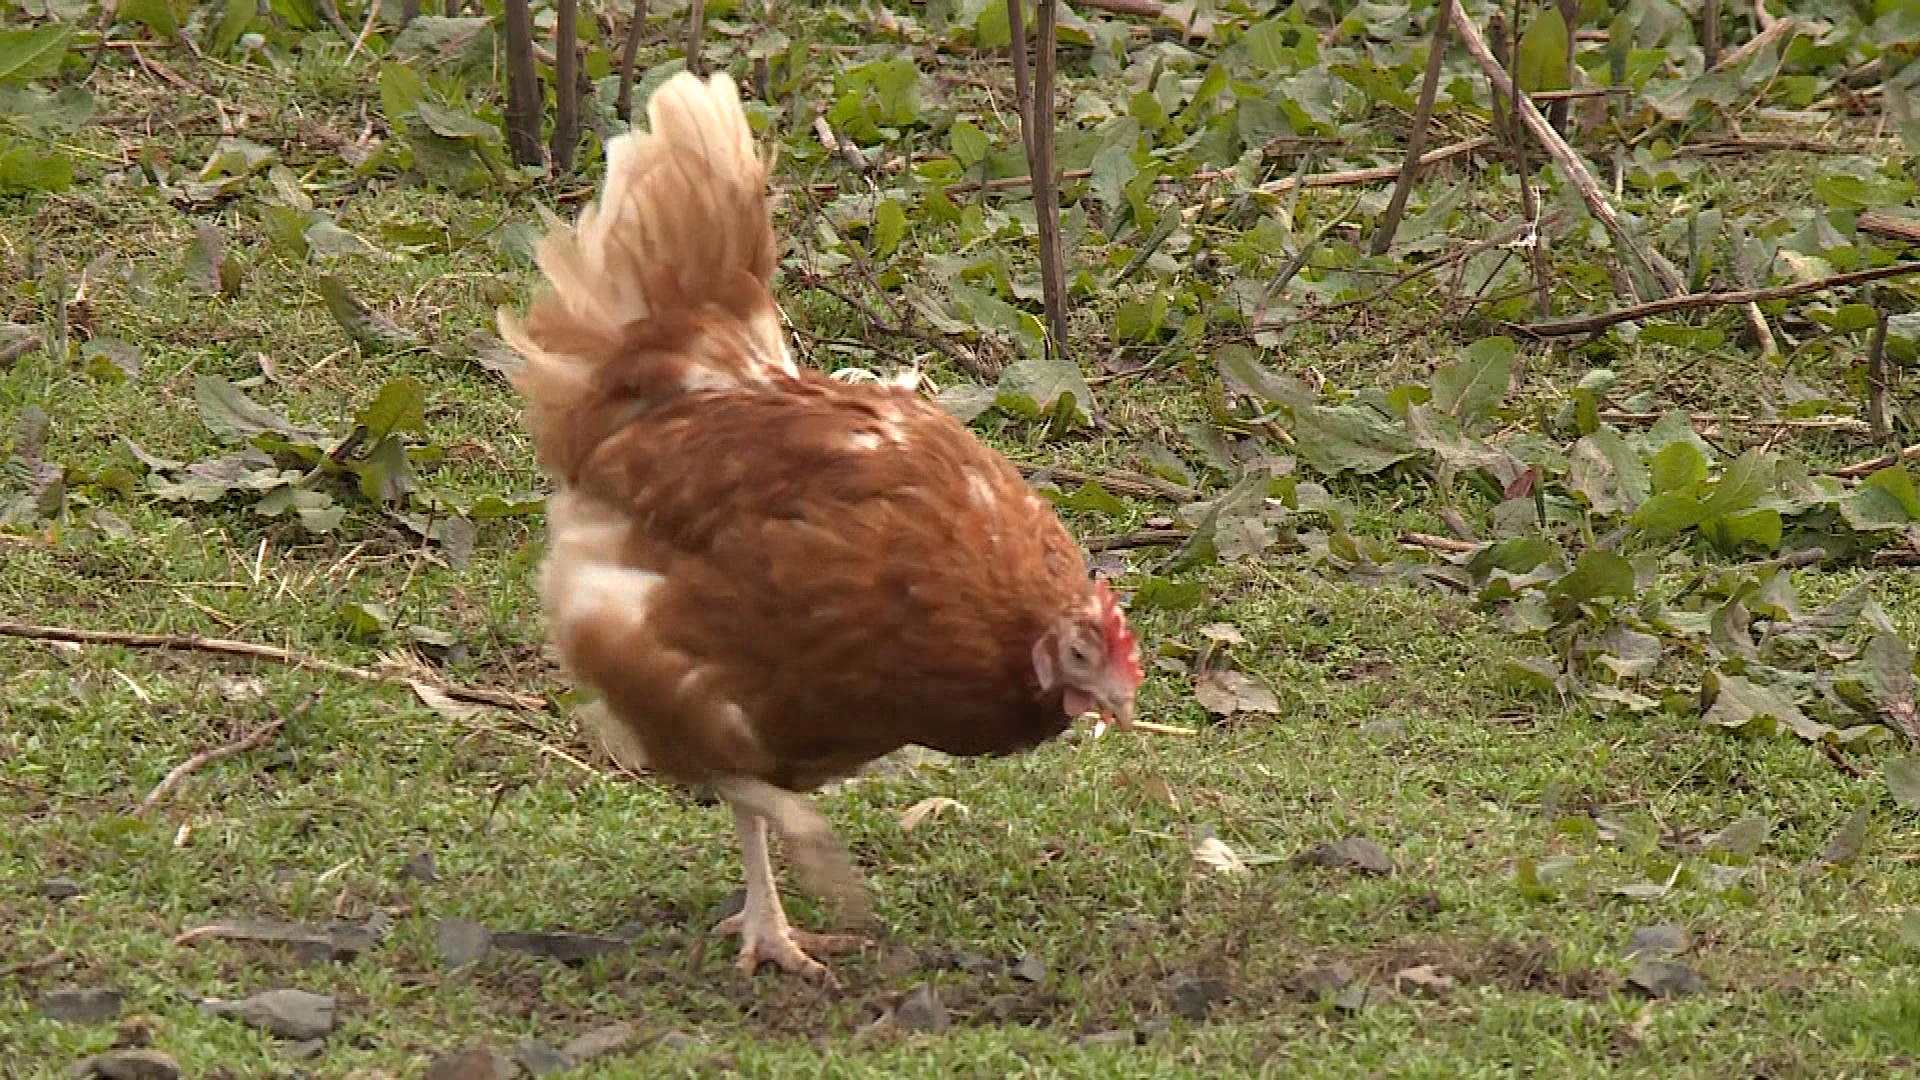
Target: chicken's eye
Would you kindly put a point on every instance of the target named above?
(1080, 656)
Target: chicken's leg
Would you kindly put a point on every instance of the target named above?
(762, 923)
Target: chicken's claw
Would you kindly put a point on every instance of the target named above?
(793, 951)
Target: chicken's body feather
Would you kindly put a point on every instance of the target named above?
(772, 577)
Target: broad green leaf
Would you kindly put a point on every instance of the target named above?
(889, 226)
(1745, 482)
(970, 144)
(1472, 388)
(364, 620)
(228, 412)
(452, 124)
(400, 406)
(1760, 528)
(1039, 381)
(1090, 498)
(1903, 781)
(1595, 574)
(1241, 367)
(1168, 595)
(386, 473)
(236, 18)
(1542, 61)
(1734, 701)
(1349, 438)
(374, 331)
(1609, 473)
(330, 241)
(401, 92)
(157, 16)
(1743, 838)
(315, 510)
(1678, 467)
(28, 169)
(33, 54)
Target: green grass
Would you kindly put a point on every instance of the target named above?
(1395, 725)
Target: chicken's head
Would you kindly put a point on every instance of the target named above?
(1091, 654)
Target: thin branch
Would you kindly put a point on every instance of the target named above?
(523, 86)
(1710, 420)
(1131, 484)
(1445, 545)
(1694, 301)
(1022, 78)
(1780, 28)
(1873, 465)
(1561, 153)
(1150, 9)
(629, 54)
(1888, 227)
(1347, 177)
(1152, 728)
(566, 85)
(25, 966)
(1383, 233)
(696, 32)
(1877, 378)
(250, 741)
(226, 647)
(1138, 538)
(1046, 184)
(1710, 33)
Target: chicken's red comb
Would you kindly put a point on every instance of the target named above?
(1121, 645)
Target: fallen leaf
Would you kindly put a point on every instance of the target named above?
(372, 330)
(1352, 852)
(1843, 847)
(1664, 939)
(439, 701)
(1226, 693)
(1212, 852)
(1424, 977)
(290, 1014)
(927, 810)
(1903, 781)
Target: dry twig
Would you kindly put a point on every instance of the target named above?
(1139, 538)
(1417, 138)
(1877, 378)
(1132, 484)
(1562, 154)
(1873, 465)
(226, 647)
(1046, 184)
(1588, 324)
(1445, 545)
(566, 85)
(250, 741)
(629, 54)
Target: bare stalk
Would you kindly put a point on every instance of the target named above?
(1046, 183)
(523, 86)
(629, 52)
(566, 85)
(1416, 139)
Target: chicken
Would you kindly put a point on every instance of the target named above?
(771, 578)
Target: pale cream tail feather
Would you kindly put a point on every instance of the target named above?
(680, 231)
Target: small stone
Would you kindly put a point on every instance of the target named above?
(1663, 939)
(1193, 999)
(419, 867)
(1356, 996)
(1323, 981)
(290, 1014)
(1030, 969)
(306, 1049)
(920, 1010)
(1151, 1027)
(537, 1058)
(1003, 1007)
(133, 1064)
(561, 945)
(477, 1060)
(85, 1005)
(461, 942)
(1665, 979)
(677, 1040)
(59, 888)
(972, 963)
(1349, 853)
(599, 1042)
(1116, 1037)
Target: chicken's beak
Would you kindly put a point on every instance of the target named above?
(1116, 708)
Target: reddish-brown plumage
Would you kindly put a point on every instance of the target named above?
(772, 577)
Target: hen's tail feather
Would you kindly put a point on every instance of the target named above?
(661, 286)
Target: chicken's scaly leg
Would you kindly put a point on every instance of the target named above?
(762, 923)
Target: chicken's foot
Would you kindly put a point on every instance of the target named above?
(762, 923)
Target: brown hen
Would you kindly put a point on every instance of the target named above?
(770, 577)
